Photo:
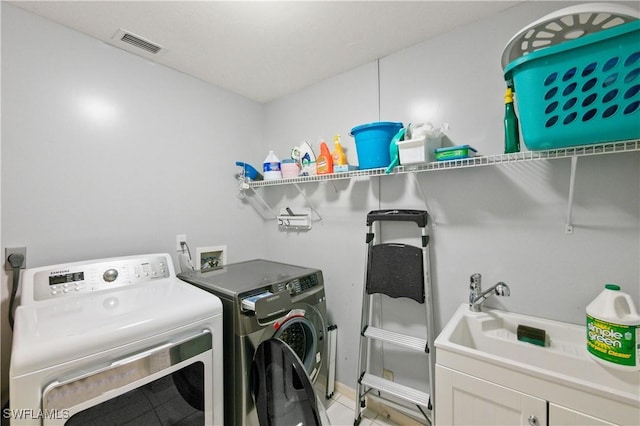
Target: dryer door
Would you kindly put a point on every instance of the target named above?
(281, 389)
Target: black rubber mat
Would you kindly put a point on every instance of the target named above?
(397, 271)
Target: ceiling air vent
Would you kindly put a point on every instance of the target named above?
(142, 44)
(138, 43)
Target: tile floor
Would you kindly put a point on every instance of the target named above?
(340, 410)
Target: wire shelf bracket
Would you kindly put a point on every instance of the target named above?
(244, 187)
(568, 228)
(434, 223)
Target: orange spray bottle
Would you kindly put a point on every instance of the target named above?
(324, 162)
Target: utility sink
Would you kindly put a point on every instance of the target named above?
(490, 336)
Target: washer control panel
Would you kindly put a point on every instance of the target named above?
(71, 279)
(298, 285)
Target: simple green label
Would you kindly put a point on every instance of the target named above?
(615, 343)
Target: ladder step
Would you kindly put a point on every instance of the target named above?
(399, 339)
(396, 389)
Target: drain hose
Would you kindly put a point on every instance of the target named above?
(16, 260)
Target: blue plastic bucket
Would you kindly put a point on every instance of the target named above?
(372, 143)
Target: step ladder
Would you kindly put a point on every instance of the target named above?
(395, 270)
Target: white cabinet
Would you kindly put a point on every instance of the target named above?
(462, 399)
(565, 416)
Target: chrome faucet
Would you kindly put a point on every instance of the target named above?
(477, 296)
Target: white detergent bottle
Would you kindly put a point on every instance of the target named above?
(613, 329)
(271, 167)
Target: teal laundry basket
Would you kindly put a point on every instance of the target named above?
(580, 92)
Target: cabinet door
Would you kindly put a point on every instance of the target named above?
(564, 416)
(466, 400)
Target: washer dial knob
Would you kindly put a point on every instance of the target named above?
(289, 288)
(110, 275)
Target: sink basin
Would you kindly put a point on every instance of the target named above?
(491, 336)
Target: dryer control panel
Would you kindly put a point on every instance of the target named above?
(71, 279)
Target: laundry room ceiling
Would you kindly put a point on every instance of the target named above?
(264, 49)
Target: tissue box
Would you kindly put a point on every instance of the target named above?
(419, 150)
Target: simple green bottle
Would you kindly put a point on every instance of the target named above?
(613, 329)
(511, 135)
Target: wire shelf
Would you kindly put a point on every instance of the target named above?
(486, 160)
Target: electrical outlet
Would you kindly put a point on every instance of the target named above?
(17, 250)
(387, 374)
(180, 238)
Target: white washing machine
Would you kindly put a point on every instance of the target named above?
(116, 341)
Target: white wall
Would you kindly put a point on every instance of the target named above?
(107, 154)
(505, 222)
(73, 188)
(4, 324)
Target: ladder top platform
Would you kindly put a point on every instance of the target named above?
(420, 217)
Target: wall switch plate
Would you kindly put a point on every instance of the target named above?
(180, 238)
(8, 251)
